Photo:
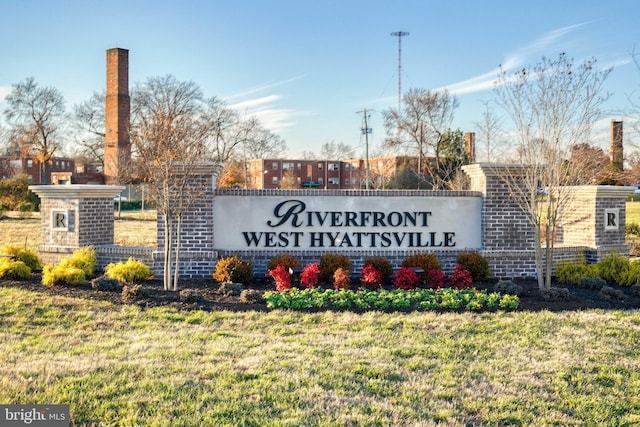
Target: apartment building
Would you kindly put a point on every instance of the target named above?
(323, 174)
(58, 171)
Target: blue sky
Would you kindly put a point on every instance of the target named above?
(305, 68)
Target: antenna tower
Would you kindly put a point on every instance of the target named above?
(399, 34)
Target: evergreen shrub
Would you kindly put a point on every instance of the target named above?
(574, 272)
(613, 267)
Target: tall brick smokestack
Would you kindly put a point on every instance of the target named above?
(117, 145)
(615, 152)
(470, 146)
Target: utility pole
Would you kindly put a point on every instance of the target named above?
(399, 34)
(366, 130)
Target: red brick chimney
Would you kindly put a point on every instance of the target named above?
(615, 152)
(470, 146)
(117, 145)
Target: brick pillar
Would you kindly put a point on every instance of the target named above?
(197, 256)
(508, 238)
(505, 224)
(595, 217)
(74, 216)
(117, 145)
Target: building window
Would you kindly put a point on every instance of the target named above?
(274, 180)
(287, 166)
(274, 166)
(29, 163)
(333, 167)
(320, 180)
(299, 166)
(320, 166)
(334, 181)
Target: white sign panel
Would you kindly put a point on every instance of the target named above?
(347, 223)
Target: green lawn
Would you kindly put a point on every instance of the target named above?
(126, 366)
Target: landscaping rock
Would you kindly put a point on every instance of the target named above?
(609, 293)
(190, 296)
(231, 289)
(556, 294)
(251, 296)
(507, 287)
(106, 284)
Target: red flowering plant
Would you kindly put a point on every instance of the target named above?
(371, 277)
(341, 279)
(435, 278)
(282, 276)
(406, 279)
(461, 278)
(309, 276)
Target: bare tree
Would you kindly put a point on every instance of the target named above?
(170, 131)
(490, 134)
(261, 143)
(592, 165)
(228, 132)
(88, 119)
(552, 106)
(36, 116)
(336, 151)
(421, 128)
(309, 155)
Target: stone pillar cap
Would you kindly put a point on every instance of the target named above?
(76, 191)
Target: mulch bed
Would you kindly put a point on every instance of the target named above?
(215, 299)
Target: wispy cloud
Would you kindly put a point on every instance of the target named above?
(262, 88)
(266, 108)
(524, 55)
(255, 103)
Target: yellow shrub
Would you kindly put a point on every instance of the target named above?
(13, 269)
(28, 256)
(62, 275)
(129, 272)
(83, 259)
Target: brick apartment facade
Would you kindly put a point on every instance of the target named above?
(60, 169)
(322, 174)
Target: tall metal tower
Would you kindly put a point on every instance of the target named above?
(399, 34)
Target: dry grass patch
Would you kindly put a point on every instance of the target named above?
(132, 229)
